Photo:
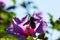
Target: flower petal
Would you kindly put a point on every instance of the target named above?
(42, 27)
(37, 15)
(24, 18)
(10, 28)
(18, 29)
(18, 21)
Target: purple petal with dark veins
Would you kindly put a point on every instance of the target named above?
(44, 26)
(39, 16)
(17, 20)
(38, 21)
(17, 29)
(21, 36)
(24, 18)
(40, 27)
(10, 28)
(36, 16)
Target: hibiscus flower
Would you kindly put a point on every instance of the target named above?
(27, 26)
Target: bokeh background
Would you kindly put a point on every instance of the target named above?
(49, 8)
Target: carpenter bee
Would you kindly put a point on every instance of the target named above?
(31, 22)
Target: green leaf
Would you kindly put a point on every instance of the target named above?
(57, 27)
(9, 37)
(47, 32)
(30, 38)
(4, 23)
(51, 19)
(23, 5)
(14, 1)
(55, 24)
(46, 38)
(58, 39)
(41, 36)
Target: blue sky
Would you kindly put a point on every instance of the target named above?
(46, 6)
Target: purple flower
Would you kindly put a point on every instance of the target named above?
(2, 4)
(24, 27)
(4, 1)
